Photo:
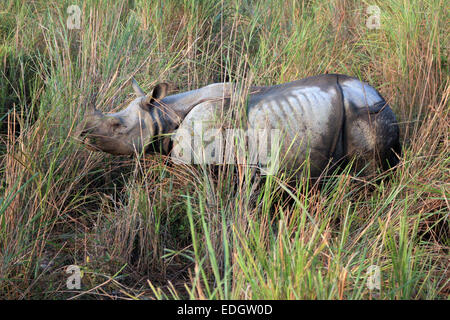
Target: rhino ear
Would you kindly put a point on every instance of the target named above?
(158, 93)
(138, 90)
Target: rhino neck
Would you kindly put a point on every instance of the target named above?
(158, 126)
(168, 113)
(177, 106)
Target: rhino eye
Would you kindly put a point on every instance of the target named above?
(117, 127)
(115, 124)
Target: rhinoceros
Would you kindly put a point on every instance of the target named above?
(326, 119)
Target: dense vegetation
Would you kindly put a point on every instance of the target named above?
(143, 228)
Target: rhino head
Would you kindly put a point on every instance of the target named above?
(128, 131)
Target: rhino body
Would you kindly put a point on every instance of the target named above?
(327, 119)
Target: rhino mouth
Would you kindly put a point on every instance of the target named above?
(89, 140)
(89, 144)
(108, 145)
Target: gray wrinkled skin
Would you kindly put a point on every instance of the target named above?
(327, 118)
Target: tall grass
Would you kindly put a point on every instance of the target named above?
(146, 228)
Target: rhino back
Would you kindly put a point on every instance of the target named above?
(326, 117)
(309, 115)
